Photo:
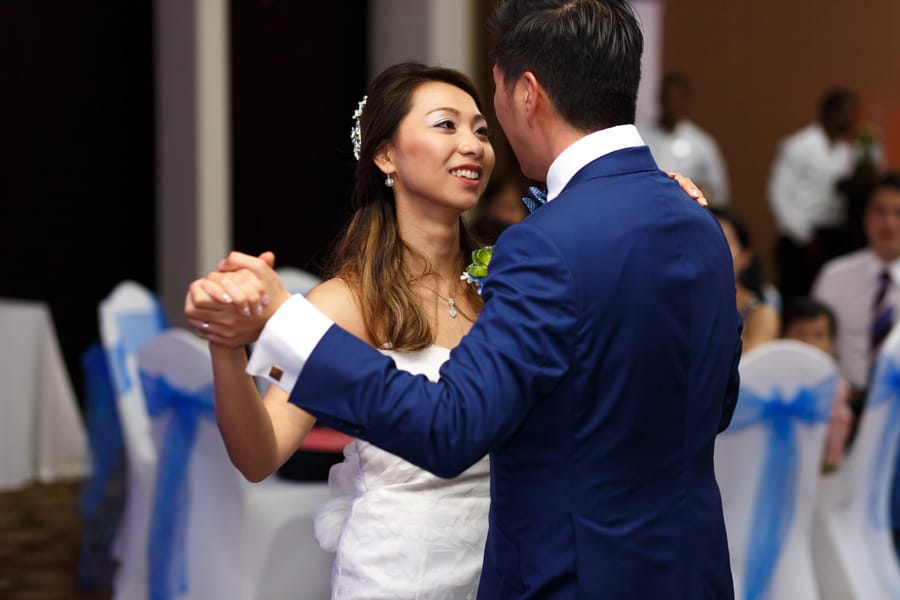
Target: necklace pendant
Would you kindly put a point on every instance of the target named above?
(452, 306)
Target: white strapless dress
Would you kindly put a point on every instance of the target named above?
(398, 531)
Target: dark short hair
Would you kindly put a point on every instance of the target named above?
(835, 100)
(740, 228)
(585, 53)
(890, 179)
(805, 308)
(677, 80)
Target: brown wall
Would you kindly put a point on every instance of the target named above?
(759, 69)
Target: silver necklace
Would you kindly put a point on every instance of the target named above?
(450, 301)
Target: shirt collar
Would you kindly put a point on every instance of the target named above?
(877, 266)
(586, 150)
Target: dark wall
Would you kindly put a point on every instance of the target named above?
(77, 193)
(298, 72)
(76, 145)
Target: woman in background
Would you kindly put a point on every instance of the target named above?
(761, 319)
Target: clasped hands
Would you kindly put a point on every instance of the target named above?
(231, 306)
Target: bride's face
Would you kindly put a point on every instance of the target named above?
(441, 157)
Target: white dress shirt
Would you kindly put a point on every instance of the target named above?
(292, 333)
(803, 182)
(848, 284)
(691, 151)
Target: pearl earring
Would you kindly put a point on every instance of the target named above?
(389, 181)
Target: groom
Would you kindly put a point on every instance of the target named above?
(604, 361)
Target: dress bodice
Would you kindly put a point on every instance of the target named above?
(397, 530)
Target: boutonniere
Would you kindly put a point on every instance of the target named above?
(478, 270)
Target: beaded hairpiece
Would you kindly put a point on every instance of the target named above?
(355, 131)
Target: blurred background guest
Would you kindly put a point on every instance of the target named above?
(678, 144)
(500, 207)
(861, 288)
(812, 322)
(761, 319)
(803, 192)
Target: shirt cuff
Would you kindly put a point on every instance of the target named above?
(286, 342)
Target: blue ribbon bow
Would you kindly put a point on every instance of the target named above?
(535, 199)
(885, 388)
(166, 558)
(774, 511)
(135, 330)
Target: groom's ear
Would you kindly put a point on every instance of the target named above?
(531, 90)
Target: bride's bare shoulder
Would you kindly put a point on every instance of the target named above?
(336, 299)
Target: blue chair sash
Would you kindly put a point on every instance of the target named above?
(886, 388)
(166, 551)
(773, 509)
(135, 330)
(100, 499)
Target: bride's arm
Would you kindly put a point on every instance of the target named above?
(261, 433)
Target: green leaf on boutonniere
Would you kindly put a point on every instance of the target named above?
(478, 270)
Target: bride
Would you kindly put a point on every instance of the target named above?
(424, 158)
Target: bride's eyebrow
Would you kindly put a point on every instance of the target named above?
(456, 113)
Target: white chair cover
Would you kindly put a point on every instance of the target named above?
(129, 317)
(767, 465)
(241, 540)
(298, 281)
(854, 553)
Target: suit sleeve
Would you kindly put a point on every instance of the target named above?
(734, 381)
(515, 355)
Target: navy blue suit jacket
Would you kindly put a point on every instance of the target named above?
(597, 376)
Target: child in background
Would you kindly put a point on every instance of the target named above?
(807, 320)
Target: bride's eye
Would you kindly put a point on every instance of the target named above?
(484, 131)
(446, 124)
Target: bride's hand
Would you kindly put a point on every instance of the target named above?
(689, 187)
(217, 307)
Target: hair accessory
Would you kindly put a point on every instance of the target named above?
(355, 131)
(389, 181)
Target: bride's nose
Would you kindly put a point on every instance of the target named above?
(471, 145)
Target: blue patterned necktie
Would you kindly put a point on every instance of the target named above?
(535, 199)
(882, 316)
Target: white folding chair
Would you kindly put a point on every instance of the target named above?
(298, 281)
(768, 463)
(854, 552)
(241, 540)
(129, 317)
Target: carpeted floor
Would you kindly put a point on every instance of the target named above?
(40, 544)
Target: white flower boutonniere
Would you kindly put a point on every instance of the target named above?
(478, 270)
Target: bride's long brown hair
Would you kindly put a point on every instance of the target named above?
(369, 256)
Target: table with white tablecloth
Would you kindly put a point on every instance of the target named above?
(42, 434)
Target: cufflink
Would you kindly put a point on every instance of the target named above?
(275, 373)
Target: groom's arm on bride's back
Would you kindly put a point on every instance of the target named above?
(517, 352)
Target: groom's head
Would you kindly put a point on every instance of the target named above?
(585, 53)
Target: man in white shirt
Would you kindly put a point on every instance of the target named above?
(849, 285)
(803, 193)
(679, 145)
